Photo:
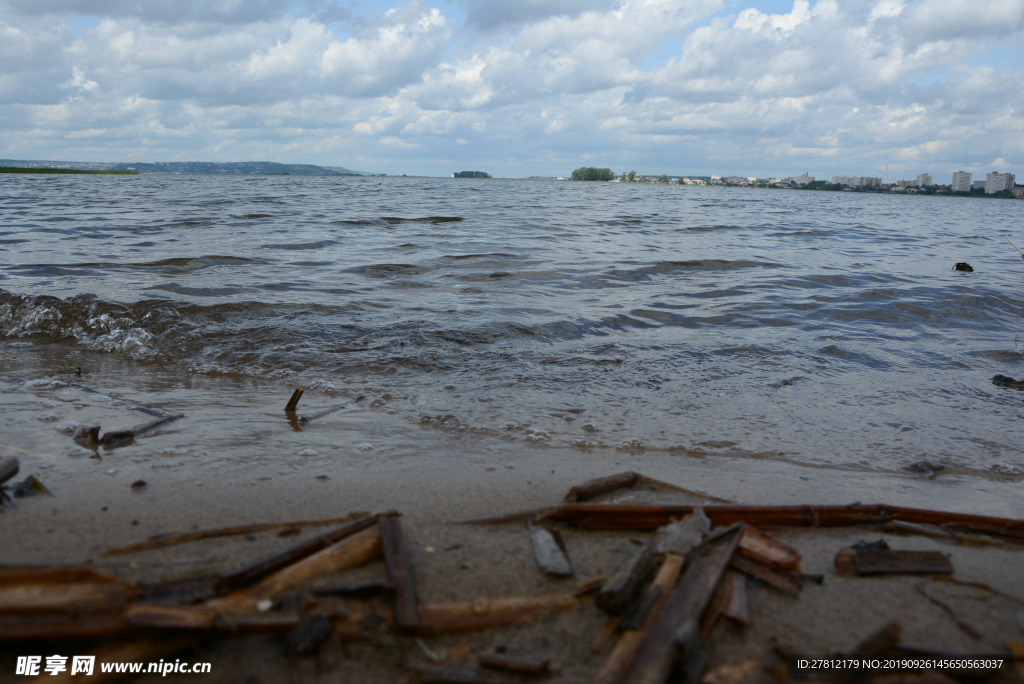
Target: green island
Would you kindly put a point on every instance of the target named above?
(23, 169)
(471, 174)
(590, 173)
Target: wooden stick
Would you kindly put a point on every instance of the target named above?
(162, 540)
(399, 569)
(294, 401)
(653, 516)
(682, 610)
(788, 583)
(468, 616)
(205, 618)
(624, 654)
(347, 553)
(601, 485)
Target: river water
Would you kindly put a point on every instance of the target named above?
(816, 329)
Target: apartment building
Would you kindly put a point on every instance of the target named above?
(961, 181)
(997, 182)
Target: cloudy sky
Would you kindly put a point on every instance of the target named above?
(521, 87)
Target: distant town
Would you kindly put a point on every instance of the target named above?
(995, 184)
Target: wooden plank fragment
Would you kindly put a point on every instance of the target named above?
(198, 618)
(892, 562)
(601, 485)
(682, 610)
(716, 607)
(771, 552)
(59, 626)
(399, 569)
(63, 590)
(618, 592)
(626, 648)
(549, 551)
(737, 609)
(788, 583)
(347, 553)
(161, 540)
(653, 516)
(532, 666)
(468, 616)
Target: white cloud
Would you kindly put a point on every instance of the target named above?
(674, 85)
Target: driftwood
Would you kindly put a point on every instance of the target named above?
(549, 551)
(789, 583)
(618, 592)
(205, 618)
(758, 546)
(469, 616)
(629, 643)
(294, 401)
(399, 569)
(653, 516)
(347, 553)
(533, 666)
(602, 485)
(675, 628)
(871, 561)
(737, 608)
(363, 590)
(162, 540)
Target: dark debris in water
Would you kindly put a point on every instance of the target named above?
(963, 266)
(1007, 381)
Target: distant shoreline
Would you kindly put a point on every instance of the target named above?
(25, 169)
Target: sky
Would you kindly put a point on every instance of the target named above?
(521, 87)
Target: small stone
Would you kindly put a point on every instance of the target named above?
(264, 605)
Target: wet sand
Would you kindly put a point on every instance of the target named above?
(235, 459)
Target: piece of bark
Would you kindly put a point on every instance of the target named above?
(788, 583)
(653, 516)
(618, 592)
(347, 553)
(399, 569)
(531, 666)
(628, 646)
(549, 551)
(62, 626)
(771, 552)
(294, 401)
(891, 562)
(601, 485)
(682, 536)
(737, 609)
(677, 622)
(161, 540)
(468, 616)
(8, 468)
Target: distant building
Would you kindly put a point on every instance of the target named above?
(752, 179)
(804, 179)
(978, 185)
(923, 180)
(903, 184)
(856, 181)
(1018, 192)
(997, 182)
(961, 181)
